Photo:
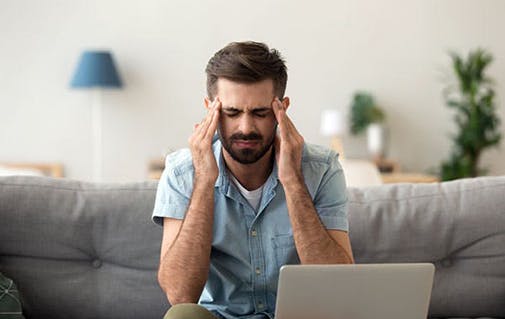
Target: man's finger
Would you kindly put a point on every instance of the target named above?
(204, 126)
(277, 108)
(214, 120)
(288, 125)
(279, 114)
(284, 123)
(277, 146)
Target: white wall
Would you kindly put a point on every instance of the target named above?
(395, 49)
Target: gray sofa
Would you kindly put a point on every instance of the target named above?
(84, 250)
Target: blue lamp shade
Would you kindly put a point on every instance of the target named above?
(96, 69)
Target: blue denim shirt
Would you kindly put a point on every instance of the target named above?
(249, 247)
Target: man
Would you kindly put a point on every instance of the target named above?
(237, 206)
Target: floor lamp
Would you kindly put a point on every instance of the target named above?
(96, 71)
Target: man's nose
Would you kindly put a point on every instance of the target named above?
(246, 124)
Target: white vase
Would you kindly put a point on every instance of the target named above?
(376, 140)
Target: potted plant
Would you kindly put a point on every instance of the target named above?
(476, 119)
(367, 116)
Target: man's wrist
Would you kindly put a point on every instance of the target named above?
(204, 180)
(293, 182)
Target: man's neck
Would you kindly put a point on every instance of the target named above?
(251, 176)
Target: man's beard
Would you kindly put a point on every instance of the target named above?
(247, 155)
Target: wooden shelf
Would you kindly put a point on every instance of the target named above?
(47, 169)
(388, 178)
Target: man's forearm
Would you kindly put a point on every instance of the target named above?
(185, 266)
(313, 243)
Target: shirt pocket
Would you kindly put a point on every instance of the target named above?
(284, 250)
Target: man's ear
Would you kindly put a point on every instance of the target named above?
(285, 102)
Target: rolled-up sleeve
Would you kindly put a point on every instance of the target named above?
(172, 198)
(331, 198)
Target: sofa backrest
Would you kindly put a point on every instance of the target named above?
(84, 250)
(459, 226)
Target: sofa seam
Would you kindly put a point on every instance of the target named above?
(79, 189)
(423, 196)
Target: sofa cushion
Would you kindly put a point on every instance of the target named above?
(81, 250)
(459, 226)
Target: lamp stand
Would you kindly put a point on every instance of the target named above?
(96, 116)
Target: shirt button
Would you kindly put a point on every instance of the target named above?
(254, 233)
(258, 271)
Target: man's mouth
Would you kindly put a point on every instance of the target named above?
(246, 143)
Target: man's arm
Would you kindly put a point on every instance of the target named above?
(314, 244)
(186, 245)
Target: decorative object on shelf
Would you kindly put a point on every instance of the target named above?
(386, 165)
(96, 70)
(478, 124)
(376, 138)
(333, 124)
(367, 115)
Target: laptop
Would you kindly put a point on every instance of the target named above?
(361, 291)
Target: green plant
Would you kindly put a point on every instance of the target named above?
(476, 119)
(364, 111)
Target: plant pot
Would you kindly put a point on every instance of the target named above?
(376, 140)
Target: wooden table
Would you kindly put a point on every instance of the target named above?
(156, 167)
(47, 169)
(406, 177)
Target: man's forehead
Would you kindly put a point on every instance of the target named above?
(224, 82)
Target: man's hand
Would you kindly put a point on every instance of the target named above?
(200, 144)
(288, 147)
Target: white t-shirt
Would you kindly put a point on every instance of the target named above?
(253, 197)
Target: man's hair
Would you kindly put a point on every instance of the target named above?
(247, 62)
